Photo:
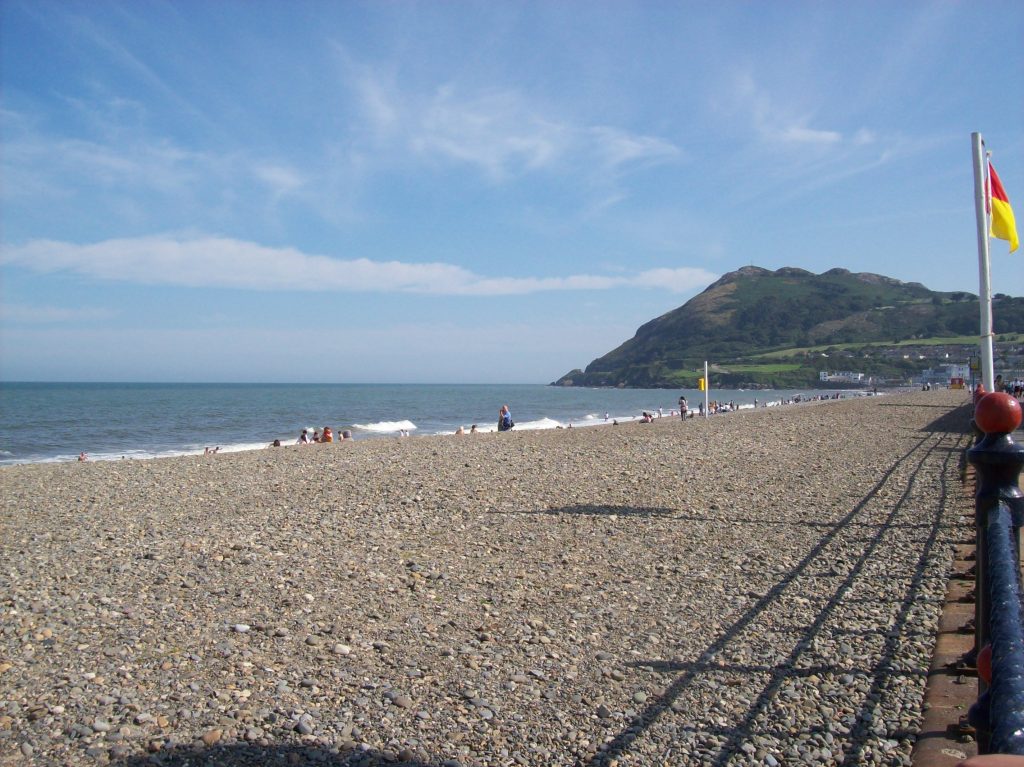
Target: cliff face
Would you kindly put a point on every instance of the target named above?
(754, 311)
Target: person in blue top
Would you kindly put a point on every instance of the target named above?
(505, 419)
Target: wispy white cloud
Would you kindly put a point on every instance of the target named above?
(863, 137)
(152, 177)
(211, 262)
(498, 132)
(619, 148)
(501, 132)
(799, 135)
(65, 163)
(780, 125)
(86, 29)
(280, 179)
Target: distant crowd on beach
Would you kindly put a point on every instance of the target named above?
(505, 422)
(327, 435)
(320, 436)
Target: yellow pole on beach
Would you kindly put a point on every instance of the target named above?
(706, 387)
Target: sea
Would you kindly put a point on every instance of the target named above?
(47, 422)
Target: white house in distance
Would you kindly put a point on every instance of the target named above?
(944, 373)
(843, 376)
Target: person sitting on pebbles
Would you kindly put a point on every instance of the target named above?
(328, 435)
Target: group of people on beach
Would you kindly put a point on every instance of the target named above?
(505, 422)
(327, 435)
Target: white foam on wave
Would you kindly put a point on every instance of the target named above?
(143, 455)
(249, 446)
(542, 423)
(385, 427)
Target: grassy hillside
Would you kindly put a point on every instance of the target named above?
(781, 328)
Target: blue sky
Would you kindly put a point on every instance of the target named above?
(469, 192)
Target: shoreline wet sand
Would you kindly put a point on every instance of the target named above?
(760, 588)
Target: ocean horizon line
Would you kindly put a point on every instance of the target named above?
(295, 383)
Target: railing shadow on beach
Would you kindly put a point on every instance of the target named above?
(250, 755)
(956, 421)
(860, 734)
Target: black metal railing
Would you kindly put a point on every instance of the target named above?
(998, 714)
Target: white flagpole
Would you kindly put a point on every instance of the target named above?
(984, 275)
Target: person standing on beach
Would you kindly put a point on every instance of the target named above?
(505, 419)
(682, 407)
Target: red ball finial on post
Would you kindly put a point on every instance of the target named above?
(985, 663)
(997, 413)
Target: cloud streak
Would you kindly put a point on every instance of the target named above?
(498, 131)
(217, 262)
(777, 125)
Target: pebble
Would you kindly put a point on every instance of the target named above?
(504, 619)
(305, 725)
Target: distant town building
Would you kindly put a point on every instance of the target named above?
(943, 374)
(843, 376)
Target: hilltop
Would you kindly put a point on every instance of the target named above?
(780, 328)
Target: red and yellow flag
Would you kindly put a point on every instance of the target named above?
(1003, 226)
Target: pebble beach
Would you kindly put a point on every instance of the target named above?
(760, 588)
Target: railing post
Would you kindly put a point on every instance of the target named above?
(997, 461)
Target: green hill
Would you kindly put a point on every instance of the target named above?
(764, 328)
